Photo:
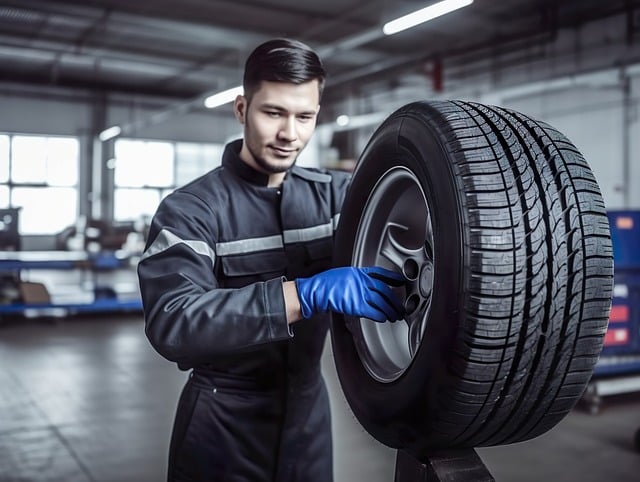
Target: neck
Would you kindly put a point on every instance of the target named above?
(275, 178)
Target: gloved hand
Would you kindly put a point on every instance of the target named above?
(364, 292)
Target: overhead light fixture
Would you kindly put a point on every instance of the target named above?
(224, 97)
(109, 133)
(342, 120)
(424, 15)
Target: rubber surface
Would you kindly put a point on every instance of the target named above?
(523, 279)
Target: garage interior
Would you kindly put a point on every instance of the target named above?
(108, 105)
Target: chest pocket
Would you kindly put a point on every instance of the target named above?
(239, 271)
(319, 255)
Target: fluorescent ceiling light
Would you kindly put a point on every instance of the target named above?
(423, 15)
(109, 133)
(224, 97)
(342, 120)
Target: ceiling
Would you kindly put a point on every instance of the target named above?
(182, 50)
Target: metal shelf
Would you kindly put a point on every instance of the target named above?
(13, 263)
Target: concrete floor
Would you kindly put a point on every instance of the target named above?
(87, 399)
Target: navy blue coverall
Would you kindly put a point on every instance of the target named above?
(255, 407)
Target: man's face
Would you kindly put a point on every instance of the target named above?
(278, 122)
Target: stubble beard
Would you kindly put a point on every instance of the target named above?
(267, 166)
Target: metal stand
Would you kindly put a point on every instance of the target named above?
(599, 388)
(445, 466)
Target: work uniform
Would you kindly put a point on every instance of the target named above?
(255, 407)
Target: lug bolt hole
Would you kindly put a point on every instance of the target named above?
(410, 269)
(411, 304)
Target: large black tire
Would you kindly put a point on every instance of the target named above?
(499, 224)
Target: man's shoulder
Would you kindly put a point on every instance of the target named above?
(314, 174)
(203, 188)
(204, 182)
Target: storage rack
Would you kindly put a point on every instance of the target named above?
(14, 263)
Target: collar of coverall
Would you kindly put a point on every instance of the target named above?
(231, 160)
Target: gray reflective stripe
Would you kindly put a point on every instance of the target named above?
(308, 234)
(255, 245)
(336, 219)
(251, 245)
(166, 239)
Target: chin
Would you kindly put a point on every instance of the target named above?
(276, 166)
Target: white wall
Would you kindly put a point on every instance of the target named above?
(592, 118)
(62, 113)
(214, 126)
(22, 114)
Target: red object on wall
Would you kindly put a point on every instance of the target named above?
(436, 76)
(619, 313)
(616, 336)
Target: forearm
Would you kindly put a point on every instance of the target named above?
(189, 324)
(291, 301)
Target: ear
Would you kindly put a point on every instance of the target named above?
(240, 108)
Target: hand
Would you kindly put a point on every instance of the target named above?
(364, 292)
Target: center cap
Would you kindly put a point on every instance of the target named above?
(426, 280)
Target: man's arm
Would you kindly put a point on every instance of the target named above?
(189, 317)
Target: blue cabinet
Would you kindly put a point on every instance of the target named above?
(618, 369)
(621, 353)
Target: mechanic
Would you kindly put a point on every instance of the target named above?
(233, 261)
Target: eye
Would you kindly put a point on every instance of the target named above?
(272, 113)
(305, 117)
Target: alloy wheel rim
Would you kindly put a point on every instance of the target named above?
(395, 232)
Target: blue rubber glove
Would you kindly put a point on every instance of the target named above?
(363, 292)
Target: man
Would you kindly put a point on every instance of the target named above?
(234, 261)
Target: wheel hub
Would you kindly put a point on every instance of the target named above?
(426, 280)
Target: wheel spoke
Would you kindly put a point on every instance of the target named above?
(392, 247)
(396, 233)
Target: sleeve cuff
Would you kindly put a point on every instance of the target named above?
(277, 312)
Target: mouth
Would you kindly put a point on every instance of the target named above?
(283, 151)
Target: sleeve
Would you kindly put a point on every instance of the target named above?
(188, 318)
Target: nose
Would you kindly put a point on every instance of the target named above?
(288, 131)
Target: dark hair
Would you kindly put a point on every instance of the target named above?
(282, 60)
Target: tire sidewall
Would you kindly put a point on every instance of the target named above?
(400, 413)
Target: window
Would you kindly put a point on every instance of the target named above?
(146, 171)
(37, 215)
(144, 164)
(36, 173)
(4, 196)
(4, 159)
(193, 160)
